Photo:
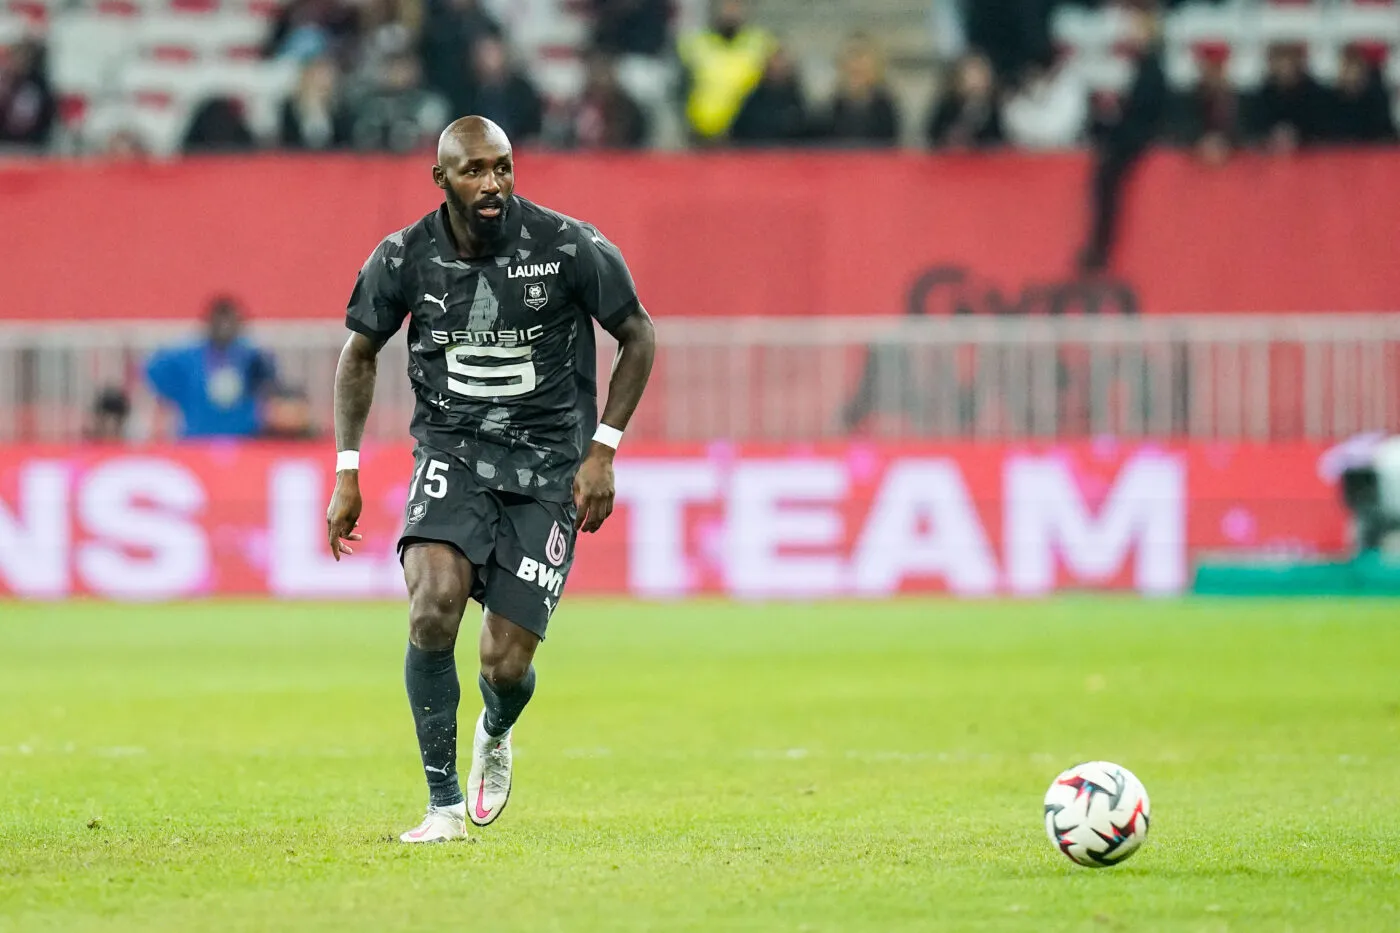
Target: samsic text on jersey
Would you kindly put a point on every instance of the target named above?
(501, 347)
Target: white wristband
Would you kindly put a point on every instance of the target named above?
(347, 460)
(608, 436)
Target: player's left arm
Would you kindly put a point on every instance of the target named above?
(606, 291)
(594, 486)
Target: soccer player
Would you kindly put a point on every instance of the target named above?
(498, 294)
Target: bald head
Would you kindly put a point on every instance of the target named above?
(476, 171)
(468, 134)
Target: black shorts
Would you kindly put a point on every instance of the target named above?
(520, 547)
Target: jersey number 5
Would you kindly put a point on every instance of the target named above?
(433, 475)
(494, 380)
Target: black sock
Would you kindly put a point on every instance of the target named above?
(433, 693)
(504, 704)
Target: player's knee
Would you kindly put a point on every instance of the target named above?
(433, 618)
(504, 666)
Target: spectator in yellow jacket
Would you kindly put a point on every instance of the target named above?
(723, 64)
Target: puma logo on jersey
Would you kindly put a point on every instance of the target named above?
(534, 270)
(440, 302)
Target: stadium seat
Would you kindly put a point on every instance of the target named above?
(159, 128)
(1205, 22)
(261, 87)
(1183, 63)
(120, 8)
(171, 38)
(35, 13)
(145, 71)
(158, 85)
(1103, 71)
(1324, 61)
(12, 30)
(561, 30)
(650, 81)
(262, 9)
(1292, 23)
(547, 34)
(73, 108)
(1247, 66)
(1365, 22)
(558, 74)
(1198, 25)
(86, 50)
(1090, 32)
(162, 129)
(238, 34)
(193, 37)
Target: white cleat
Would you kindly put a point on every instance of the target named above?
(442, 824)
(488, 785)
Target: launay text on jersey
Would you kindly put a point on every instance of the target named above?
(533, 271)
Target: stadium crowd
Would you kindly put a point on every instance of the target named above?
(385, 75)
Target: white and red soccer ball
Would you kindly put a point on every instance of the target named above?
(1097, 813)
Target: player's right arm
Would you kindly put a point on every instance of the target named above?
(376, 310)
(355, 375)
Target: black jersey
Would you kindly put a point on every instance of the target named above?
(501, 347)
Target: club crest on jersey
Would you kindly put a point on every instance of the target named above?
(536, 296)
(557, 547)
(416, 512)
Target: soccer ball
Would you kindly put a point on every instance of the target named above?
(1097, 814)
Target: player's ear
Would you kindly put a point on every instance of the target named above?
(439, 177)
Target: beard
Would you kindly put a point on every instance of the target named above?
(487, 230)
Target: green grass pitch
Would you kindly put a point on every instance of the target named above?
(707, 766)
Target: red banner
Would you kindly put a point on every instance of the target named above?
(808, 522)
(855, 233)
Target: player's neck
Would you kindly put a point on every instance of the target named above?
(467, 245)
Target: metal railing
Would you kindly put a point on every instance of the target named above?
(1259, 377)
